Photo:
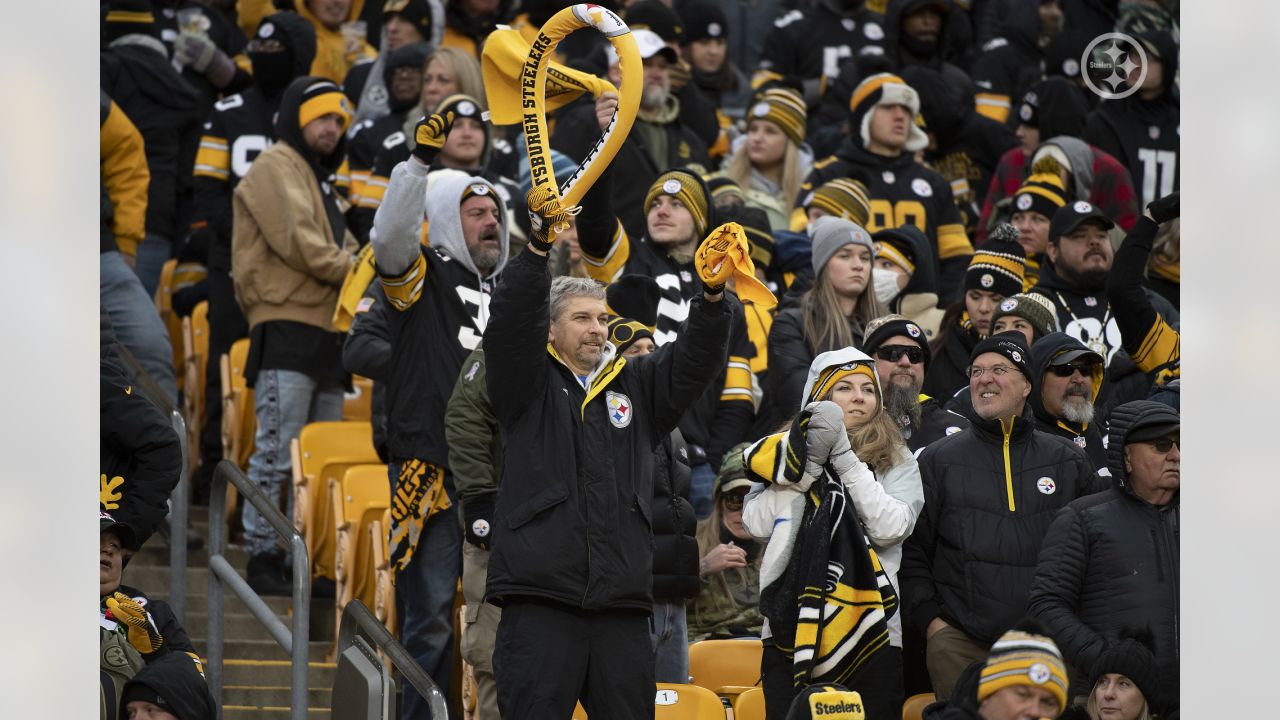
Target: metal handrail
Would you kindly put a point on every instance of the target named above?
(357, 616)
(178, 528)
(296, 642)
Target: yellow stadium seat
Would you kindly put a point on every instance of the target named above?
(195, 342)
(384, 598)
(172, 323)
(239, 423)
(323, 451)
(358, 404)
(749, 705)
(359, 499)
(686, 702)
(913, 708)
(725, 667)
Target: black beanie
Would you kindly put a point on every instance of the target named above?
(139, 691)
(1012, 345)
(130, 17)
(1130, 656)
(273, 71)
(703, 20)
(890, 326)
(415, 12)
(636, 297)
(656, 16)
(1000, 265)
(625, 332)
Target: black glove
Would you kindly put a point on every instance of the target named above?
(1166, 208)
(477, 513)
(429, 136)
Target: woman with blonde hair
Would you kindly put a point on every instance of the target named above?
(771, 161)
(832, 314)
(841, 492)
(449, 71)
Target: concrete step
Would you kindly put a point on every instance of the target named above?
(260, 649)
(241, 712)
(274, 672)
(264, 695)
(156, 554)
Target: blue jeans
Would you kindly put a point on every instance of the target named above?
(284, 401)
(134, 318)
(425, 591)
(669, 630)
(153, 252)
(702, 481)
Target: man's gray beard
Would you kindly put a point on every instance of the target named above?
(902, 402)
(485, 259)
(653, 99)
(1077, 410)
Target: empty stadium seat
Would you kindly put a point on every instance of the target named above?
(749, 705)
(384, 598)
(686, 702)
(913, 708)
(172, 323)
(323, 451)
(725, 667)
(238, 420)
(358, 404)
(358, 499)
(195, 343)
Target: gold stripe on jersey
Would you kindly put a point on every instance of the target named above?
(359, 178)
(213, 159)
(952, 242)
(609, 268)
(737, 381)
(404, 290)
(371, 195)
(125, 16)
(992, 105)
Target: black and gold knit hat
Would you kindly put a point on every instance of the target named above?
(130, 17)
(783, 107)
(999, 266)
(842, 197)
(1043, 191)
(625, 332)
(1024, 659)
(689, 189)
(634, 296)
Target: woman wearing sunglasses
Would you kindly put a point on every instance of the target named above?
(841, 493)
(728, 605)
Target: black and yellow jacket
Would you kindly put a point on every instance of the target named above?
(573, 522)
(125, 178)
(991, 493)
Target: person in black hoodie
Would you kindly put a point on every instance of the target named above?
(1011, 62)
(1110, 561)
(1148, 337)
(469, 22)
(169, 688)
(135, 71)
(964, 146)
(1064, 404)
(239, 128)
(1142, 130)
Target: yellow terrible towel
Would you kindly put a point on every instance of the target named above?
(501, 65)
(358, 280)
(726, 254)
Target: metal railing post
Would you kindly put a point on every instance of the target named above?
(178, 506)
(357, 617)
(296, 641)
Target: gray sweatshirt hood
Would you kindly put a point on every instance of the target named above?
(444, 205)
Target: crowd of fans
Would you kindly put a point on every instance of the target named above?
(935, 449)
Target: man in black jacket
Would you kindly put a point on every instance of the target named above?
(1068, 379)
(572, 557)
(902, 354)
(1110, 561)
(990, 494)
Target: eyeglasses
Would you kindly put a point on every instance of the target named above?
(1085, 369)
(1165, 444)
(894, 353)
(734, 501)
(974, 372)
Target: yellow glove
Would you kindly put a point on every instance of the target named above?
(726, 254)
(429, 136)
(142, 636)
(547, 217)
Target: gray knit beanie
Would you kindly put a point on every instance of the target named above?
(830, 233)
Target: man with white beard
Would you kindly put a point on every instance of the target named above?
(901, 351)
(1068, 379)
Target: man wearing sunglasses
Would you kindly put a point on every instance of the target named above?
(901, 350)
(1110, 561)
(1068, 377)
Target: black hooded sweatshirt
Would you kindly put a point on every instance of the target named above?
(1010, 62)
(1144, 134)
(175, 679)
(284, 344)
(1088, 437)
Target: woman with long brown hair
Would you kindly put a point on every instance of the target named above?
(771, 162)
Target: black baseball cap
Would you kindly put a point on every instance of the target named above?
(128, 538)
(1071, 353)
(1073, 215)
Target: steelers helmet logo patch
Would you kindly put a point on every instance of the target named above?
(1046, 486)
(1023, 202)
(760, 109)
(1082, 207)
(1039, 673)
(466, 107)
(480, 528)
(873, 31)
(1024, 111)
(620, 411)
(714, 30)
(671, 186)
(267, 30)
(913, 331)
(1008, 305)
(986, 280)
(1017, 356)
(922, 187)
(478, 189)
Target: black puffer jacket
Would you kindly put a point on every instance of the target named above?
(790, 355)
(1110, 561)
(675, 548)
(1088, 436)
(990, 496)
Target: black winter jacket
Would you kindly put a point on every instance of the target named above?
(1110, 562)
(367, 352)
(936, 422)
(990, 496)
(573, 521)
(951, 352)
(790, 355)
(675, 547)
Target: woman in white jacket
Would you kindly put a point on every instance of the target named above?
(853, 446)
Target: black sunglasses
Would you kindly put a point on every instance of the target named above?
(893, 353)
(1086, 369)
(1165, 444)
(734, 501)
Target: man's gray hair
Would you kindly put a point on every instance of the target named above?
(565, 287)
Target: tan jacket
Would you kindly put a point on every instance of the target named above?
(284, 260)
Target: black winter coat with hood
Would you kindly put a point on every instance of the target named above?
(951, 351)
(1110, 562)
(1088, 436)
(991, 493)
(175, 679)
(675, 547)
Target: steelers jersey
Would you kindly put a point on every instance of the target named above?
(238, 130)
(813, 43)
